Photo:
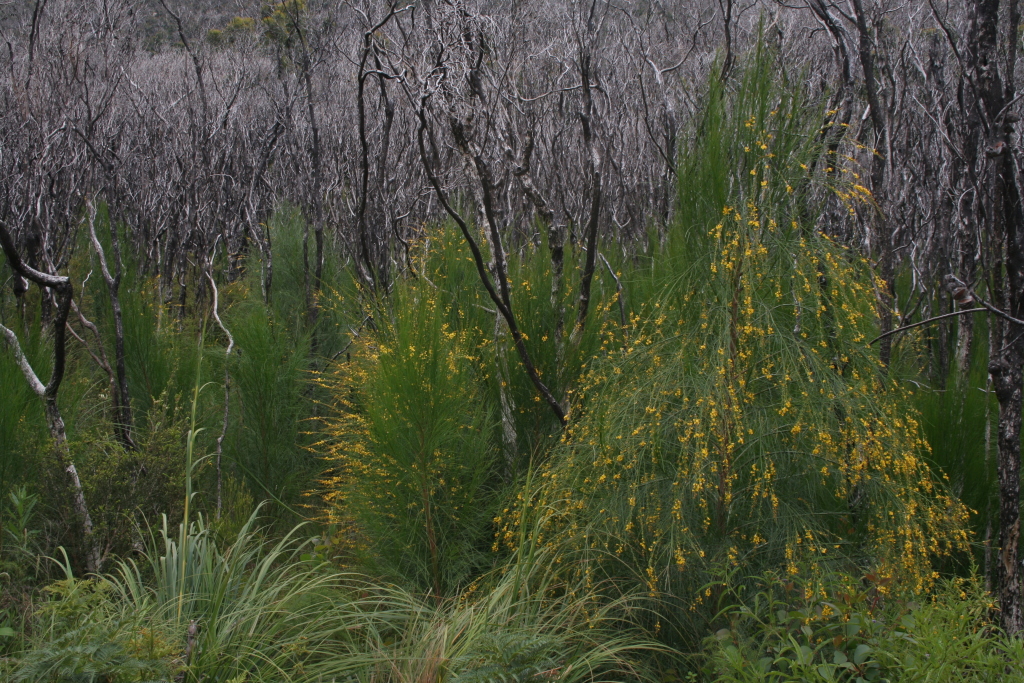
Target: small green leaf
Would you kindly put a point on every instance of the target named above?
(861, 654)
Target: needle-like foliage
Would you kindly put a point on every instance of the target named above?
(747, 421)
(412, 448)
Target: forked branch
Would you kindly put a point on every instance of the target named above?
(500, 303)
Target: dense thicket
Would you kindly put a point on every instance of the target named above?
(608, 325)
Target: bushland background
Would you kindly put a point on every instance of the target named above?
(510, 341)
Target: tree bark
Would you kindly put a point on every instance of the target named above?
(227, 389)
(501, 301)
(594, 157)
(882, 236)
(1006, 224)
(316, 201)
(556, 244)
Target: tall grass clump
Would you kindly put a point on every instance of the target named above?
(195, 611)
(252, 609)
(412, 447)
(747, 422)
(525, 622)
(256, 610)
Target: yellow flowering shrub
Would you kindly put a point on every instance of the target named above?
(747, 423)
(409, 443)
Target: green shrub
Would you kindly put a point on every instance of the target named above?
(20, 542)
(124, 485)
(413, 448)
(81, 635)
(21, 418)
(858, 631)
(269, 381)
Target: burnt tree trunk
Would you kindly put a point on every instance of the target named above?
(1006, 225)
(123, 418)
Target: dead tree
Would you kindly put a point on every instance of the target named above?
(123, 420)
(1006, 277)
(63, 291)
(494, 277)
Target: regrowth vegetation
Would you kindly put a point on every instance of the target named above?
(744, 422)
(518, 451)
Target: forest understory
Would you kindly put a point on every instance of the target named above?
(461, 341)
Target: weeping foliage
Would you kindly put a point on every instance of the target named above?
(747, 422)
